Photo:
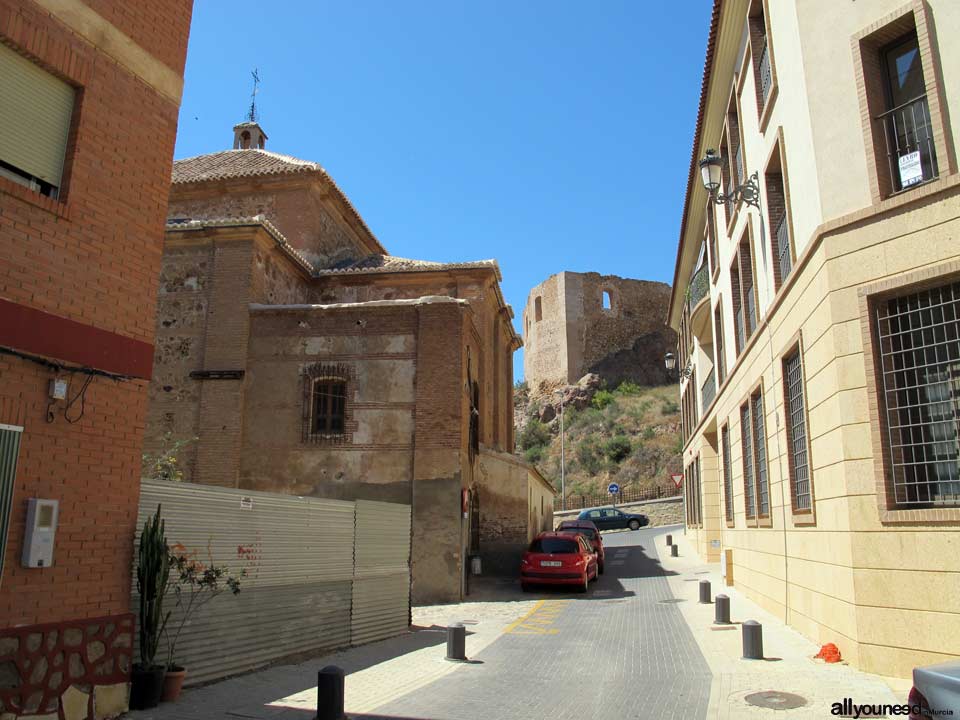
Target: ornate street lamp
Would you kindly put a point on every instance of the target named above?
(670, 362)
(711, 175)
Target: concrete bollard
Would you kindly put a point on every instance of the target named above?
(456, 642)
(330, 693)
(722, 615)
(674, 551)
(752, 640)
(669, 540)
(705, 592)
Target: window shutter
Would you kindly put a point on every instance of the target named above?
(34, 117)
(9, 451)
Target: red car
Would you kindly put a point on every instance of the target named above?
(590, 532)
(559, 558)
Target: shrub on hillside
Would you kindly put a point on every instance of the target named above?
(669, 408)
(617, 448)
(534, 454)
(535, 435)
(629, 388)
(602, 398)
(588, 458)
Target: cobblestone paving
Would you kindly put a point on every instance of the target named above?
(616, 652)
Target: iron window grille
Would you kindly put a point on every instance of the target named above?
(727, 477)
(919, 352)
(908, 131)
(797, 427)
(9, 453)
(766, 73)
(747, 458)
(325, 404)
(782, 234)
(760, 455)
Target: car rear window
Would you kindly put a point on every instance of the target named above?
(586, 532)
(558, 546)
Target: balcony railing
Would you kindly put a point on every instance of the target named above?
(766, 74)
(738, 161)
(911, 153)
(699, 286)
(782, 234)
(708, 392)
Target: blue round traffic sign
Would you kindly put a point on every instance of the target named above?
(613, 488)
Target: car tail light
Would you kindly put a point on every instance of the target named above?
(918, 702)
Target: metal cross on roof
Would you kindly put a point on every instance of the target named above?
(252, 115)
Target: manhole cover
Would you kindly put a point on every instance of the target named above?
(775, 700)
(671, 601)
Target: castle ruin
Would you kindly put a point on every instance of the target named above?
(578, 323)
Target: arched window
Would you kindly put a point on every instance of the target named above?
(607, 304)
(325, 403)
(245, 139)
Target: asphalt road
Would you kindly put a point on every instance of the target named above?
(619, 651)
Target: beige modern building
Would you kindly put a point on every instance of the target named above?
(819, 321)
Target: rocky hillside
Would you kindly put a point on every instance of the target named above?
(629, 434)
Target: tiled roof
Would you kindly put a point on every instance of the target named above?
(230, 164)
(378, 263)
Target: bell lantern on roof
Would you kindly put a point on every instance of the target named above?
(249, 136)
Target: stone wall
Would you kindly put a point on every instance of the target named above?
(72, 670)
(576, 334)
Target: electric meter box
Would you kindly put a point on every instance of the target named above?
(39, 533)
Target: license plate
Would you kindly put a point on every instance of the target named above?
(550, 563)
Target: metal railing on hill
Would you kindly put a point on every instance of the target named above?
(578, 501)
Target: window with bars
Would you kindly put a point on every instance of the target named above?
(760, 455)
(747, 459)
(727, 475)
(719, 346)
(743, 295)
(692, 481)
(918, 339)
(325, 403)
(800, 488)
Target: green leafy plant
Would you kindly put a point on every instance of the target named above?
(535, 434)
(153, 578)
(648, 433)
(669, 408)
(166, 465)
(617, 448)
(533, 454)
(602, 398)
(629, 388)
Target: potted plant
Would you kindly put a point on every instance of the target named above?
(194, 585)
(153, 577)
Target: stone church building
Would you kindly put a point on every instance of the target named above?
(302, 358)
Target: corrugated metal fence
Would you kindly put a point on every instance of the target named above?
(322, 573)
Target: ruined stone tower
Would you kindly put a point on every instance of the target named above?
(575, 323)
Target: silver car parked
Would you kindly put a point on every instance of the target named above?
(936, 691)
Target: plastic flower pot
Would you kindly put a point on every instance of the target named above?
(146, 686)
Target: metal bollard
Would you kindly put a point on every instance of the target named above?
(330, 693)
(705, 592)
(722, 615)
(456, 642)
(669, 540)
(752, 640)
(674, 551)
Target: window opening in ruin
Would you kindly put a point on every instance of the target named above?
(607, 303)
(537, 309)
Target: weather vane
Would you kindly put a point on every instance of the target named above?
(252, 115)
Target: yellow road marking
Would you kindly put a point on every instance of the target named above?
(539, 619)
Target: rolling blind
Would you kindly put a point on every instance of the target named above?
(9, 451)
(35, 117)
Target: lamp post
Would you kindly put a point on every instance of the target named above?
(670, 362)
(563, 485)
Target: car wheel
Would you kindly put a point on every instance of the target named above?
(600, 568)
(596, 574)
(586, 582)
(634, 525)
(525, 587)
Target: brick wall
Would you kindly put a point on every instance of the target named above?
(91, 257)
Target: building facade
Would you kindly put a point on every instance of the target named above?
(90, 96)
(578, 323)
(295, 355)
(819, 330)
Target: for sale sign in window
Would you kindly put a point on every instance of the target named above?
(910, 171)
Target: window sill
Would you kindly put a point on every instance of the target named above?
(56, 207)
(804, 518)
(916, 516)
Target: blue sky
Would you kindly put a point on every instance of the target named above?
(548, 135)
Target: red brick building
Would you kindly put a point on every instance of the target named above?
(90, 97)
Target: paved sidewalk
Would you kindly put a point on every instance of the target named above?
(789, 665)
